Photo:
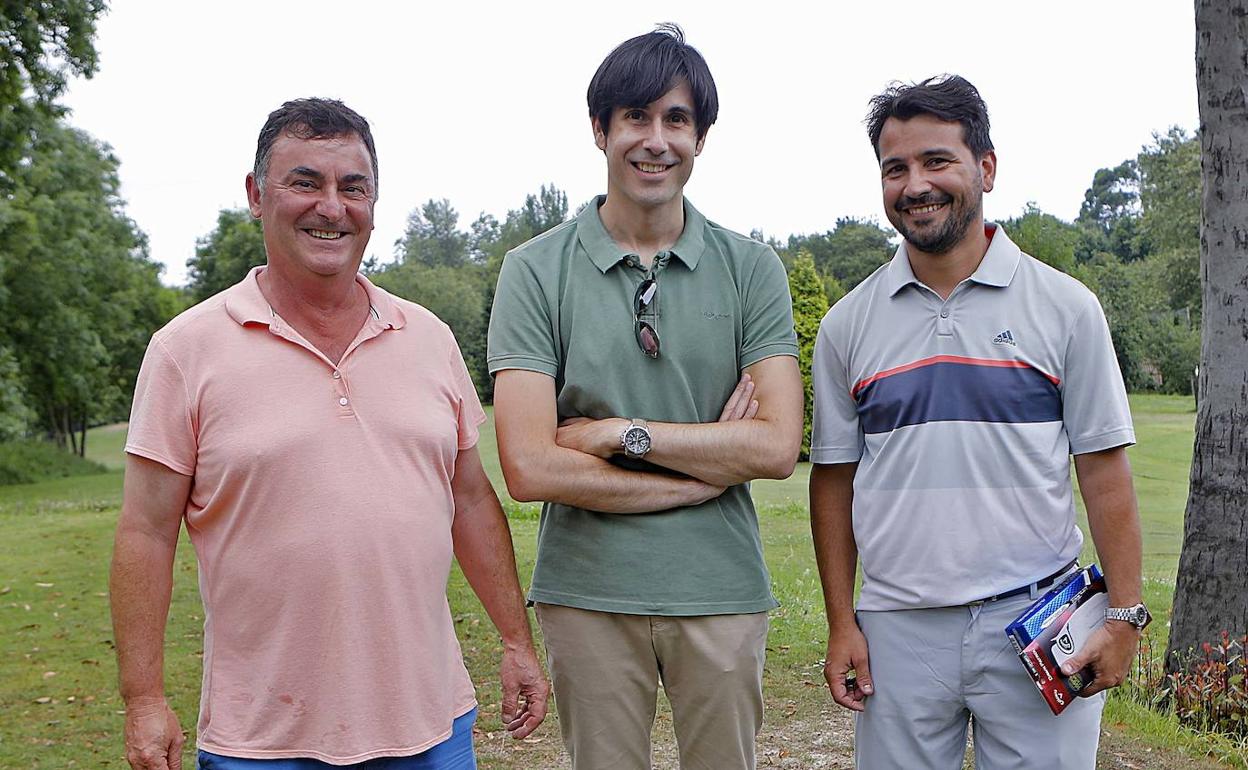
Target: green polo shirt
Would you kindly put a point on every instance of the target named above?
(564, 307)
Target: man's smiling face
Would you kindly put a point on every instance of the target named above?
(933, 184)
(317, 203)
(650, 149)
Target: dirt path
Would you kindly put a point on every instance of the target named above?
(822, 742)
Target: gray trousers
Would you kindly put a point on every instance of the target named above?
(938, 670)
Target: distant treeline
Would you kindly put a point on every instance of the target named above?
(80, 293)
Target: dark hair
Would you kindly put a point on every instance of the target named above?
(642, 69)
(947, 97)
(311, 119)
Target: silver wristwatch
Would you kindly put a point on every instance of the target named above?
(1138, 616)
(636, 438)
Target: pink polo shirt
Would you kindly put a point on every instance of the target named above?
(321, 514)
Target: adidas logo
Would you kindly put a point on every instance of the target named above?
(1004, 338)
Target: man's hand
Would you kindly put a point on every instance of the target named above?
(525, 691)
(154, 739)
(847, 651)
(601, 438)
(1109, 652)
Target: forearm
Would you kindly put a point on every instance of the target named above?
(484, 551)
(1114, 521)
(560, 475)
(836, 553)
(140, 584)
(726, 453)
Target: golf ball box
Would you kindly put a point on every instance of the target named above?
(1054, 628)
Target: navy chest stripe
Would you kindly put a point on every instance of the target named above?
(938, 390)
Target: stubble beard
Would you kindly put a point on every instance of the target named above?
(951, 233)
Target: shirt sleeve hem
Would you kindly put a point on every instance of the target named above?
(750, 357)
(528, 363)
(1101, 441)
(160, 457)
(834, 456)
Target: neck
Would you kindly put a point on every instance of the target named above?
(315, 305)
(943, 272)
(644, 231)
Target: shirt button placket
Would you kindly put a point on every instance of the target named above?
(340, 390)
(944, 324)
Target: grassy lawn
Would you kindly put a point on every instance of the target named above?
(57, 673)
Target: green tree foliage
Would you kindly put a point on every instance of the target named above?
(433, 237)
(15, 415)
(1109, 218)
(223, 256)
(1157, 345)
(452, 272)
(810, 303)
(42, 43)
(849, 253)
(1170, 191)
(81, 296)
(1044, 237)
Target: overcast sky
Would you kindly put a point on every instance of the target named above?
(482, 103)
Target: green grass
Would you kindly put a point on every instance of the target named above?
(56, 537)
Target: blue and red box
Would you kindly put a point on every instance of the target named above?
(1054, 627)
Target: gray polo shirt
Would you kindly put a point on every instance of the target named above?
(564, 307)
(962, 415)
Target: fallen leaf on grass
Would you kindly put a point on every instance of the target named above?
(44, 699)
(49, 674)
(45, 585)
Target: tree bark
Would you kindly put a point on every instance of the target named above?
(1211, 594)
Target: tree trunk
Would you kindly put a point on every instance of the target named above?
(1211, 594)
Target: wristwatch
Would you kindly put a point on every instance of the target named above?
(1138, 616)
(636, 438)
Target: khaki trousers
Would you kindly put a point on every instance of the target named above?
(606, 667)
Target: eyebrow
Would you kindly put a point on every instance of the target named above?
(925, 154)
(305, 171)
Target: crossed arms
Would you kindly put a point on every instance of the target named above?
(757, 436)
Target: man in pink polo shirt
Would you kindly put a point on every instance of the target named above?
(318, 437)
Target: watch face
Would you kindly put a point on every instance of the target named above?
(637, 441)
(1141, 617)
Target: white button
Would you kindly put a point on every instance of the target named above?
(337, 375)
(343, 401)
(944, 313)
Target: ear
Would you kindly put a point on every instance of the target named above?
(697, 150)
(253, 195)
(600, 136)
(988, 168)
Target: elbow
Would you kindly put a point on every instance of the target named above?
(781, 460)
(780, 466)
(524, 480)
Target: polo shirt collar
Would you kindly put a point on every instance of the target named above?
(245, 303)
(605, 252)
(997, 268)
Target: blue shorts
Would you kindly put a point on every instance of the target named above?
(454, 753)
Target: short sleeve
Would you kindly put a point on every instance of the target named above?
(1094, 399)
(835, 435)
(767, 325)
(162, 426)
(522, 334)
(470, 413)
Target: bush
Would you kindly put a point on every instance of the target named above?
(22, 462)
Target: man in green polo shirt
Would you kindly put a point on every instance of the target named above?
(646, 371)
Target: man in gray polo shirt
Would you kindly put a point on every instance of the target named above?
(951, 388)
(646, 371)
